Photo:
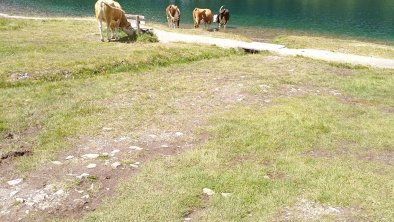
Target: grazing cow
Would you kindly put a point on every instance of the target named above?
(204, 15)
(111, 13)
(173, 16)
(223, 17)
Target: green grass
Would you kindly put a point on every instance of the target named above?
(319, 131)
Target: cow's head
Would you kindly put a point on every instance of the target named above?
(128, 30)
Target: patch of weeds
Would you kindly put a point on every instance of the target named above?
(11, 24)
(147, 37)
(92, 178)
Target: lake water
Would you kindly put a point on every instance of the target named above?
(359, 18)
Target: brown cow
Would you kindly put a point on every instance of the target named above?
(173, 16)
(110, 12)
(204, 15)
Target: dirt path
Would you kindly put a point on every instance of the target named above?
(167, 37)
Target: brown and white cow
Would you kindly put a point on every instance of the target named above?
(111, 13)
(202, 15)
(173, 16)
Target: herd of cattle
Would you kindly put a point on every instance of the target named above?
(110, 12)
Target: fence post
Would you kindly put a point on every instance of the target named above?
(138, 24)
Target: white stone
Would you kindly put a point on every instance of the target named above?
(91, 166)
(59, 192)
(57, 163)
(153, 136)
(114, 152)
(83, 176)
(90, 156)
(266, 177)
(187, 219)
(105, 154)
(136, 148)
(116, 165)
(15, 182)
(69, 157)
(137, 163)
(178, 134)
(85, 196)
(134, 165)
(20, 200)
(27, 211)
(164, 146)
(13, 193)
(226, 194)
(107, 128)
(208, 191)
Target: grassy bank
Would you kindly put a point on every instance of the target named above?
(286, 138)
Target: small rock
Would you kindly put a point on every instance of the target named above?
(59, 192)
(178, 134)
(15, 182)
(137, 163)
(334, 210)
(13, 193)
(114, 152)
(226, 194)
(116, 165)
(153, 136)
(90, 156)
(85, 196)
(107, 188)
(164, 146)
(187, 219)
(83, 176)
(58, 163)
(69, 157)
(79, 191)
(134, 165)
(20, 200)
(136, 148)
(266, 177)
(105, 154)
(107, 129)
(27, 211)
(208, 191)
(91, 166)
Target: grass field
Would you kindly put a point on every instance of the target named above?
(286, 138)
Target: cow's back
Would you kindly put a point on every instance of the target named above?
(101, 8)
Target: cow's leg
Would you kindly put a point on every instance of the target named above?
(100, 26)
(108, 30)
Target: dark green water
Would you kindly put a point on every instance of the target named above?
(359, 18)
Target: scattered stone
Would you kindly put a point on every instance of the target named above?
(226, 194)
(187, 219)
(85, 196)
(134, 165)
(137, 163)
(59, 193)
(267, 101)
(83, 176)
(58, 163)
(116, 164)
(266, 177)
(91, 187)
(90, 156)
(27, 211)
(105, 154)
(15, 182)
(107, 128)
(91, 166)
(107, 188)
(164, 146)
(114, 152)
(69, 157)
(178, 134)
(136, 148)
(13, 193)
(20, 200)
(208, 191)
(153, 136)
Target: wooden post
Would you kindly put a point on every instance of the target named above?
(138, 24)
